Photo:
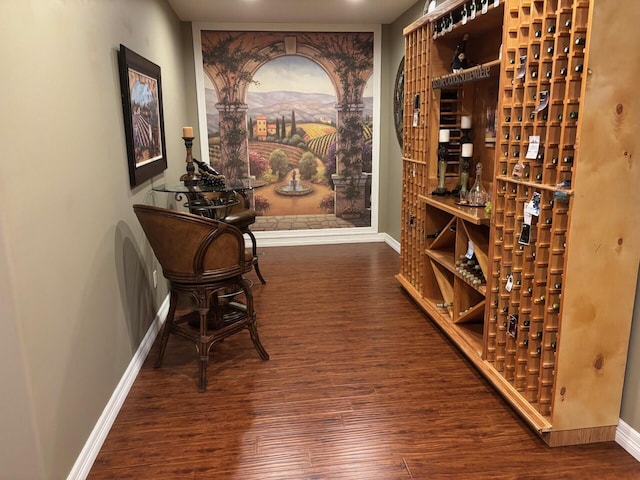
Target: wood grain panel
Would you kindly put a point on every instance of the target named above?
(360, 385)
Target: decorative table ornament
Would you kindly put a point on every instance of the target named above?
(191, 178)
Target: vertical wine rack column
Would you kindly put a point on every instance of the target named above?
(414, 154)
(542, 84)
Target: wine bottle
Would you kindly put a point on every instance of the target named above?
(551, 29)
(534, 74)
(526, 323)
(573, 115)
(525, 342)
(580, 41)
(559, 117)
(568, 23)
(579, 68)
(518, 136)
(563, 71)
(538, 33)
(205, 168)
(536, 56)
(539, 335)
(549, 74)
(539, 177)
(550, 50)
(434, 234)
(567, 49)
(554, 161)
(568, 159)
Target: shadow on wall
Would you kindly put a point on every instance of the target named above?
(136, 286)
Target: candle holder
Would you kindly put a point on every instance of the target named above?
(191, 178)
(464, 175)
(466, 154)
(443, 152)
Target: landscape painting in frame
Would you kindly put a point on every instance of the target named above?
(293, 111)
(141, 95)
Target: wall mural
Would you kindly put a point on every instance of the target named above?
(293, 110)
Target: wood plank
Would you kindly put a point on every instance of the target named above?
(359, 385)
(474, 215)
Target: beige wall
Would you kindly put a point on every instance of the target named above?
(391, 154)
(74, 267)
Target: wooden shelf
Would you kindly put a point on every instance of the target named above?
(524, 328)
(475, 215)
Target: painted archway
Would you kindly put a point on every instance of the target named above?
(230, 61)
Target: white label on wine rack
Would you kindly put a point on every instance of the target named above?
(534, 147)
(496, 3)
(469, 253)
(509, 286)
(543, 101)
(485, 6)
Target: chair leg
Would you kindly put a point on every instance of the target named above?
(253, 331)
(254, 251)
(166, 329)
(203, 351)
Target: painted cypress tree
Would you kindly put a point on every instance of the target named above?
(278, 128)
(250, 128)
(293, 123)
(284, 128)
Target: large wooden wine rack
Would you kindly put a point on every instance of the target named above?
(546, 310)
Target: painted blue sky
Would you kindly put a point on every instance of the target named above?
(295, 74)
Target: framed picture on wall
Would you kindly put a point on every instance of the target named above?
(141, 91)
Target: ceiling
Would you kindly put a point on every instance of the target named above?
(291, 11)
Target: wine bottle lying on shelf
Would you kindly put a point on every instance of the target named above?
(205, 167)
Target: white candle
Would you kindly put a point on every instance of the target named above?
(465, 122)
(444, 136)
(187, 132)
(467, 150)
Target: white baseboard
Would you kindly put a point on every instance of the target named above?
(629, 439)
(92, 447)
(317, 237)
(392, 242)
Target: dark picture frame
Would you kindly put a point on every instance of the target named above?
(141, 92)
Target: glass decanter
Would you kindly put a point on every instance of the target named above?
(477, 196)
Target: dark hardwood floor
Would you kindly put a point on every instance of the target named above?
(360, 385)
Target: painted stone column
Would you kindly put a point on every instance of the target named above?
(349, 180)
(234, 146)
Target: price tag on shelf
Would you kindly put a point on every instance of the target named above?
(469, 253)
(509, 285)
(534, 147)
(522, 68)
(543, 101)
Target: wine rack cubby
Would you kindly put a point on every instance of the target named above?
(539, 293)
